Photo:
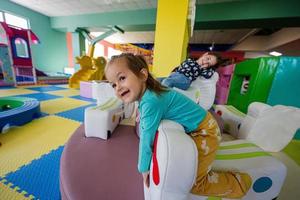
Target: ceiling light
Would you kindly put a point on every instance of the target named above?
(275, 53)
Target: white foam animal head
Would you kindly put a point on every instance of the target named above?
(271, 128)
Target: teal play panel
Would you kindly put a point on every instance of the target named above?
(285, 88)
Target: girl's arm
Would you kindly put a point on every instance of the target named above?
(150, 117)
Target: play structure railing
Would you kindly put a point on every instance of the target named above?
(24, 75)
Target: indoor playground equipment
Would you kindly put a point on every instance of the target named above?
(270, 80)
(16, 111)
(101, 120)
(265, 126)
(7, 77)
(90, 68)
(202, 91)
(15, 50)
(222, 88)
(173, 171)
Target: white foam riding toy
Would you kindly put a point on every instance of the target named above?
(232, 118)
(270, 127)
(174, 164)
(101, 120)
(202, 91)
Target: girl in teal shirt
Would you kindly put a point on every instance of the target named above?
(129, 76)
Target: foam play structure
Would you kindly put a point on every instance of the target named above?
(172, 171)
(91, 68)
(16, 111)
(222, 88)
(202, 91)
(265, 126)
(44, 77)
(16, 60)
(101, 120)
(233, 118)
(269, 80)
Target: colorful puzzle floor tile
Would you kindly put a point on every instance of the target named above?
(21, 145)
(46, 182)
(40, 96)
(30, 154)
(46, 88)
(8, 193)
(60, 105)
(15, 91)
(76, 114)
(65, 93)
(83, 98)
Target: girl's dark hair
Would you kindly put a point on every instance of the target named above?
(221, 62)
(136, 63)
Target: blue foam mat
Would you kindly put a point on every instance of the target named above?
(40, 178)
(46, 88)
(76, 114)
(40, 96)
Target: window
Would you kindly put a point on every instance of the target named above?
(113, 52)
(99, 50)
(21, 48)
(1, 17)
(14, 20)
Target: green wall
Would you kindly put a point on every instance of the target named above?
(51, 54)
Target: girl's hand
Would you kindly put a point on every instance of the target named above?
(146, 178)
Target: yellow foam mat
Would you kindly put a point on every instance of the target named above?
(61, 104)
(20, 145)
(65, 93)
(63, 86)
(11, 194)
(33, 86)
(16, 91)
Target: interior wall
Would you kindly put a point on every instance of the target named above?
(51, 54)
(256, 54)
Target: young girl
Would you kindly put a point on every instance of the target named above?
(131, 80)
(190, 69)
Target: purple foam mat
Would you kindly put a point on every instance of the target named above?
(92, 168)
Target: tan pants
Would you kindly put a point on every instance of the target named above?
(212, 183)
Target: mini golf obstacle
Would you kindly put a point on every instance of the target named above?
(16, 111)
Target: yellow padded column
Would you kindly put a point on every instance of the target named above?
(171, 36)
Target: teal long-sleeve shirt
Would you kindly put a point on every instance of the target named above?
(169, 105)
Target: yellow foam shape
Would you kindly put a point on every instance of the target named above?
(65, 93)
(61, 104)
(20, 145)
(16, 91)
(9, 193)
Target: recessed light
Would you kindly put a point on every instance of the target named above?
(275, 53)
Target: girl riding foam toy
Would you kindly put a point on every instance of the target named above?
(174, 162)
(173, 172)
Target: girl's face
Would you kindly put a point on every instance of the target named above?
(207, 60)
(128, 86)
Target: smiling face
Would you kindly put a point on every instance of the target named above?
(207, 60)
(128, 86)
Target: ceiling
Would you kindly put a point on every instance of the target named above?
(78, 7)
(235, 37)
